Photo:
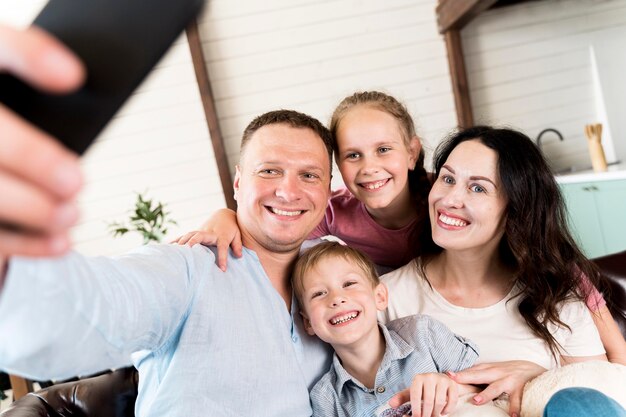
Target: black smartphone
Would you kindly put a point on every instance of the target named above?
(119, 41)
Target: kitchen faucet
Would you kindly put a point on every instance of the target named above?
(538, 140)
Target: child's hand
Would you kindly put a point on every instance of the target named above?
(220, 230)
(431, 395)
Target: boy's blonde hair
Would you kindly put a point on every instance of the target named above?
(311, 257)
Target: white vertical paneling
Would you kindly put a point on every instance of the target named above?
(529, 66)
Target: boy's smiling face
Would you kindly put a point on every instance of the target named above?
(340, 302)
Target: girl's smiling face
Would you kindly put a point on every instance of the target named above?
(374, 158)
(467, 204)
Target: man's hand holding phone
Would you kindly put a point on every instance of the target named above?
(39, 177)
(68, 89)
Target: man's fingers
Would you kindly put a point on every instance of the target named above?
(13, 243)
(32, 155)
(32, 209)
(39, 178)
(40, 60)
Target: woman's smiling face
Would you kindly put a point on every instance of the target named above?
(467, 204)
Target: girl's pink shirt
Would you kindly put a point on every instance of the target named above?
(348, 219)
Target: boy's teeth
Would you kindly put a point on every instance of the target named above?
(343, 319)
(452, 222)
(284, 212)
(374, 185)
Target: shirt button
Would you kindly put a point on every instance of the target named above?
(380, 389)
(294, 338)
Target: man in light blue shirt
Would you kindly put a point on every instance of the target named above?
(206, 342)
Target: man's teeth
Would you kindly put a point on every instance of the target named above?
(343, 319)
(374, 185)
(452, 222)
(285, 213)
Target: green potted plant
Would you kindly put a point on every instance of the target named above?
(148, 218)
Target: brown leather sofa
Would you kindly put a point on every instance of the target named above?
(114, 394)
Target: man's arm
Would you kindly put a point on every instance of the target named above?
(75, 315)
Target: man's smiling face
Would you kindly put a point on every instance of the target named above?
(282, 187)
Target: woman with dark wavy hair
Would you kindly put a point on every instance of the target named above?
(502, 268)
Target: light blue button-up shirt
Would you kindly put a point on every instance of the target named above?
(206, 342)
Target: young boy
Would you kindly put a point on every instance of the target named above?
(340, 294)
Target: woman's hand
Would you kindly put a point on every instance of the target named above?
(502, 377)
(39, 178)
(431, 395)
(220, 230)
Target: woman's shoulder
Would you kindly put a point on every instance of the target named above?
(572, 309)
(406, 273)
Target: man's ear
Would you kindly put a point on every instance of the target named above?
(307, 324)
(415, 146)
(382, 296)
(236, 180)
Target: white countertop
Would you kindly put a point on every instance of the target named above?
(613, 172)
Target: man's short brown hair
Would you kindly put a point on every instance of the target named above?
(290, 118)
(311, 257)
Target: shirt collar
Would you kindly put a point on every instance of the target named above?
(396, 348)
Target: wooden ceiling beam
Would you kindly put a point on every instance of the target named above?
(455, 14)
(210, 113)
(458, 77)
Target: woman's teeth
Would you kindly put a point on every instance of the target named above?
(452, 221)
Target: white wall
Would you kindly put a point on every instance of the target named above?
(530, 66)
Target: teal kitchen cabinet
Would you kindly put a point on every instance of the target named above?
(597, 215)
